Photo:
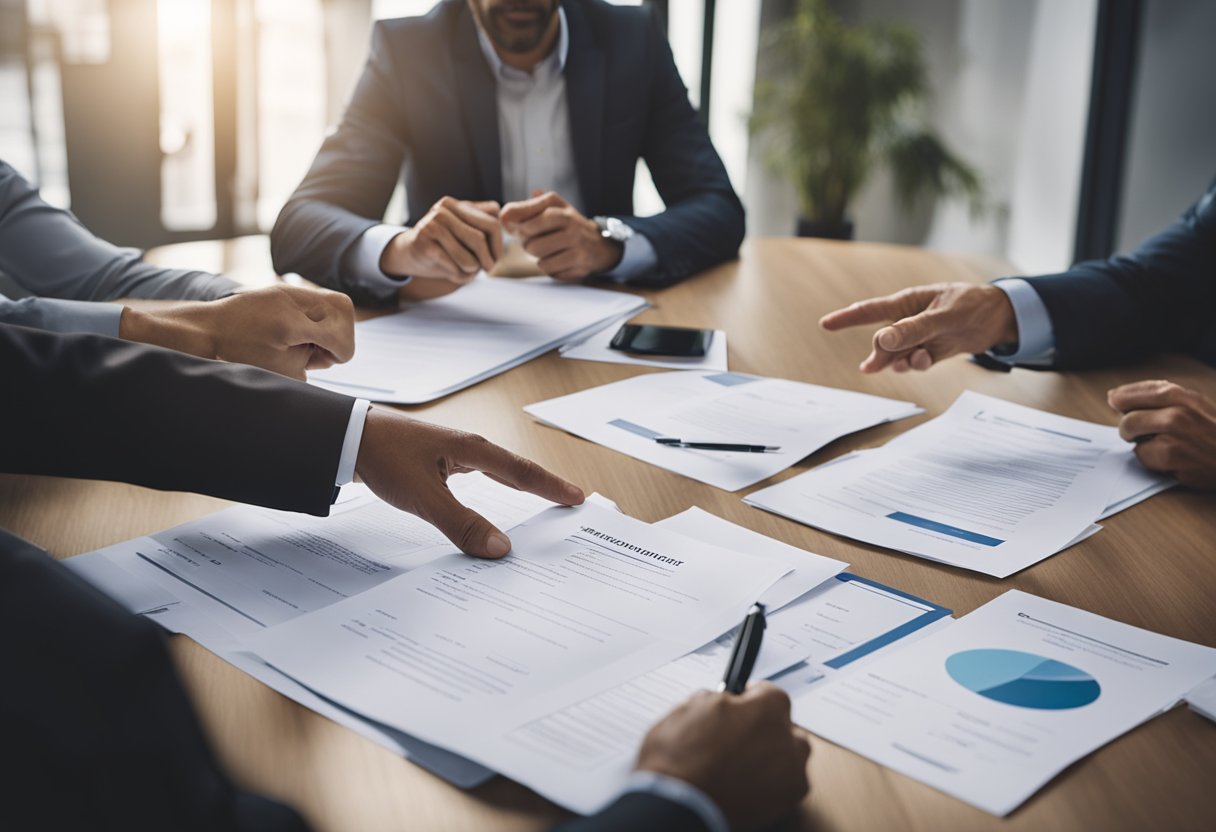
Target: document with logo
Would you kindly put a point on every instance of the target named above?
(440, 346)
(992, 707)
(795, 418)
(462, 652)
(989, 485)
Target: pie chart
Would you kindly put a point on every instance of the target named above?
(1023, 679)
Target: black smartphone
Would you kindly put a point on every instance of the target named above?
(678, 341)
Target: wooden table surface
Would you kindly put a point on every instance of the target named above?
(1153, 566)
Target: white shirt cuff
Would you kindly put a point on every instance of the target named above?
(363, 260)
(1036, 335)
(350, 445)
(677, 791)
(637, 259)
(59, 315)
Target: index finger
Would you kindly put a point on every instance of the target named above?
(517, 472)
(514, 213)
(879, 310)
(1153, 393)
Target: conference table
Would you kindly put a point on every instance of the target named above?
(1153, 566)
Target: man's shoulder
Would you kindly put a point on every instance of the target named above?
(423, 28)
(610, 22)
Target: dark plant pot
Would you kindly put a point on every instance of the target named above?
(825, 229)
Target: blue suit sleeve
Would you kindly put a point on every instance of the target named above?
(1159, 298)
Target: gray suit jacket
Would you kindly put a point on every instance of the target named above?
(48, 254)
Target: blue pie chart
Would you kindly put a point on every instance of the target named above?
(1023, 679)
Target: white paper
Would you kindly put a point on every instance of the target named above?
(271, 566)
(717, 407)
(992, 707)
(1202, 699)
(595, 348)
(580, 756)
(440, 346)
(214, 578)
(807, 570)
(989, 486)
(461, 652)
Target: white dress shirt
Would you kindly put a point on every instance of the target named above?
(1036, 335)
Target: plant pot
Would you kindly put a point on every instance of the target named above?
(825, 229)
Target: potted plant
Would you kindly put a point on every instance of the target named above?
(846, 98)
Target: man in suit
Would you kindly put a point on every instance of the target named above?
(1159, 298)
(47, 253)
(523, 115)
(100, 731)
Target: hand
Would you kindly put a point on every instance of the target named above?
(287, 329)
(453, 242)
(930, 323)
(1174, 429)
(407, 463)
(567, 245)
(742, 751)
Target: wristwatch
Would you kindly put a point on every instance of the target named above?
(613, 229)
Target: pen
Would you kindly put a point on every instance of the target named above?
(743, 655)
(672, 442)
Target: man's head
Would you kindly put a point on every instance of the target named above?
(515, 26)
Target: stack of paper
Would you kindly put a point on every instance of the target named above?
(629, 415)
(989, 486)
(483, 329)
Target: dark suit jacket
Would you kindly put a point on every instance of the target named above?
(1159, 298)
(426, 109)
(98, 732)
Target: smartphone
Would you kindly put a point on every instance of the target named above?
(678, 341)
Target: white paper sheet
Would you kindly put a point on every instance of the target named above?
(487, 327)
(989, 486)
(992, 707)
(461, 652)
(807, 570)
(213, 579)
(580, 756)
(595, 348)
(719, 407)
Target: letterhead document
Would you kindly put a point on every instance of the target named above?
(992, 707)
(461, 652)
(798, 418)
(989, 485)
(492, 324)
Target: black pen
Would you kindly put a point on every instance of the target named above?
(672, 442)
(746, 649)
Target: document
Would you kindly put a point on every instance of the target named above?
(462, 652)
(800, 418)
(806, 569)
(216, 579)
(989, 486)
(487, 327)
(595, 348)
(992, 707)
(580, 756)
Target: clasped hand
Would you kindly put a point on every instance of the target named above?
(456, 239)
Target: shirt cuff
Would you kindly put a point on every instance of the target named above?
(1036, 335)
(677, 791)
(637, 259)
(363, 260)
(350, 445)
(57, 315)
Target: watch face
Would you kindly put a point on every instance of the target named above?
(614, 229)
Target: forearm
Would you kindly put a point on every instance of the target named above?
(99, 408)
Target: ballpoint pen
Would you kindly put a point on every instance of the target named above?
(673, 442)
(746, 649)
